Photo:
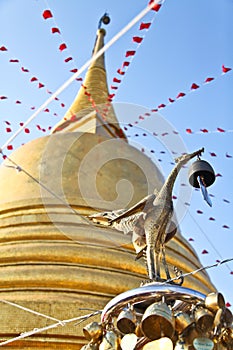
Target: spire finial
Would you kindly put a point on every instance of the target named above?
(105, 19)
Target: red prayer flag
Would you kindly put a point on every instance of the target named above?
(194, 86)
(208, 80)
(62, 105)
(125, 64)
(218, 175)
(8, 130)
(47, 14)
(213, 154)
(9, 147)
(115, 80)
(13, 61)
(155, 7)
(62, 47)
(225, 226)
(119, 71)
(130, 53)
(181, 94)
(204, 252)
(189, 131)
(74, 70)
(113, 87)
(211, 218)
(18, 102)
(220, 130)
(228, 304)
(171, 100)
(68, 59)
(225, 69)
(55, 30)
(7, 122)
(24, 70)
(199, 212)
(144, 26)
(228, 155)
(26, 130)
(3, 97)
(137, 39)
(226, 201)
(33, 79)
(3, 48)
(204, 130)
(162, 105)
(40, 85)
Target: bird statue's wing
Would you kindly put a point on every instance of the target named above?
(140, 242)
(137, 208)
(105, 218)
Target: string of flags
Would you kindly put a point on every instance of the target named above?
(47, 14)
(32, 79)
(130, 54)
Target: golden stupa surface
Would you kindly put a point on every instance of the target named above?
(53, 260)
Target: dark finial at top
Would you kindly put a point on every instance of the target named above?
(105, 19)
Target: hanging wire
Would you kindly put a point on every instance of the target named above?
(29, 310)
(60, 323)
(183, 275)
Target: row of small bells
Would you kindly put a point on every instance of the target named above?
(204, 326)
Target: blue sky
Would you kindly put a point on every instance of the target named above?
(187, 42)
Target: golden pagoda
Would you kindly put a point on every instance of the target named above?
(54, 261)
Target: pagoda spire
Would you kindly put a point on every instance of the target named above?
(91, 110)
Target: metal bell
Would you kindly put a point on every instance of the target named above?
(106, 19)
(204, 170)
(158, 321)
(182, 322)
(204, 319)
(93, 331)
(214, 301)
(126, 321)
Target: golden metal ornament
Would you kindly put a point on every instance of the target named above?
(158, 321)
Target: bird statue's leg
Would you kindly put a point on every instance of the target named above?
(165, 263)
(150, 262)
(157, 268)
